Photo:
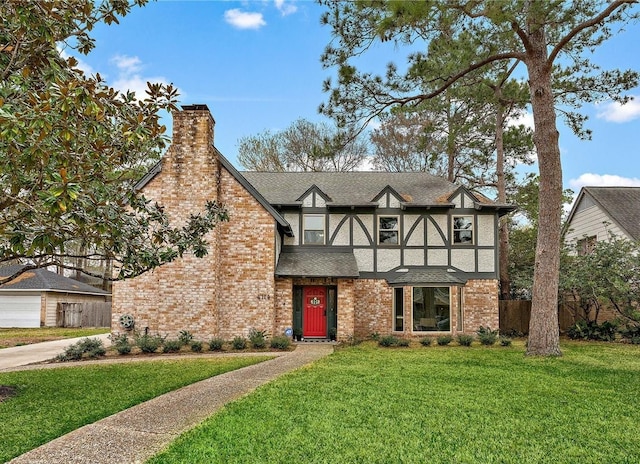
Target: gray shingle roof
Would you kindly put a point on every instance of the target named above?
(317, 264)
(622, 204)
(351, 188)
(43, 280)
(422, 276)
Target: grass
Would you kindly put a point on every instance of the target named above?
(15, 337)
(437, 405)
(52, 402)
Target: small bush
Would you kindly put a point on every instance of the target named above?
(92, 347)
(404, 342)
(185, 337)
(149, 343)
(375, 336)
(258, 338)
(426, 341)
(444, 340)
(465, 340)
(591, 330)
(280, 343)
(487, 336)
(121, 343)
(196, 346)
(505, 341)
(388, 340)
(171, 346)
(239, 343)
(216, 344)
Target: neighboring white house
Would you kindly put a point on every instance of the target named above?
(599, 212)
(31, 300)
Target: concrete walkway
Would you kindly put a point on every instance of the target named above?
(38, 352)
(138, 433)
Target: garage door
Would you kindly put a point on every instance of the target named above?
(20, 311)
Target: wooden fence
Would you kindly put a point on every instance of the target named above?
(515, 316)
(92, 314)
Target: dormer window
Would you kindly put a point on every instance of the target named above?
(313, 229)
(463, 230)
(388, 230)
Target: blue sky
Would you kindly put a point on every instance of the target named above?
(256, 65)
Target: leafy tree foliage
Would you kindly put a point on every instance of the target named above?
(71, 149)
(552, 40)
(303, 146)
(608, 275)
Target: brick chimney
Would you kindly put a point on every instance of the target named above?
(190, 165)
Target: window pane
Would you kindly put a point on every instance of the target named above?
(389, 237)
(314, 222)
(398, 310)
(388, 223)
(462, 236)
(462, 222)
(314, 237)
(431, 309)
(463, 229)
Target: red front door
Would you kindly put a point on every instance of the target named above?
(314, 316)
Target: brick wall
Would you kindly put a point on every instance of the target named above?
(373, 307)
(230, 290)
(480, 305)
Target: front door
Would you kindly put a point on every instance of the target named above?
(315, 312)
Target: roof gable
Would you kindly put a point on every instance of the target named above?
(44, 280)
(621, 204)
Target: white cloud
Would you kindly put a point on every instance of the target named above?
(243, 20)
(130, 77)
(615, 112)
(603, 180)
(525, 119)
(285, 8)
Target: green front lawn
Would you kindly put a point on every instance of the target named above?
(51, 402)
(16, 337)
(434, 405)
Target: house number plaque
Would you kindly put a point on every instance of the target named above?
(315, 301)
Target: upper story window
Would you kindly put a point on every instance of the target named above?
(388, 230)
(313, 225)
(586, 245)
(463, 230)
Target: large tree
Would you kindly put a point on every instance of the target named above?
(552, 39)
(303, 146)
(72, 148)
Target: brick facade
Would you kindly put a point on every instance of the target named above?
(234, 289)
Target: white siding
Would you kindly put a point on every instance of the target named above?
(437, 258)
(342, 238)
(388, 259)
(433, 235)
(393, 202)
(589, 222)
(320, 203)
(294, 220)
(486, 261)
(463, 259)
(413, 257)
(359, 237)
(364, 259)
(485, 235)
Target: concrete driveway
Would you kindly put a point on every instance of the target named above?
(37, 352)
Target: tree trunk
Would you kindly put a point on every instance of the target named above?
(503, 232)
(544, 336)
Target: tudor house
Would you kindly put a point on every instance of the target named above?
(351, 253)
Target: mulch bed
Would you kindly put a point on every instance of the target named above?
(6, 392)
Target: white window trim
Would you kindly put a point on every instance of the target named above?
(453, 230)
(397, 229)
(324, 228)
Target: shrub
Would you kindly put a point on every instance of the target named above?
(426, 341)
(239, 343)
(196, 346)
(185, 337)
(171, 346)
(388, 340)
(465, 340)
(487, 336)
(591, 330)
(404, 342)
(631, 333)
(375, 336)
(505, 341)
(444, 340)
(121, 343)
(258, 338)
(149, 343)
(280, 343)
(92, 347)
(216, 344)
